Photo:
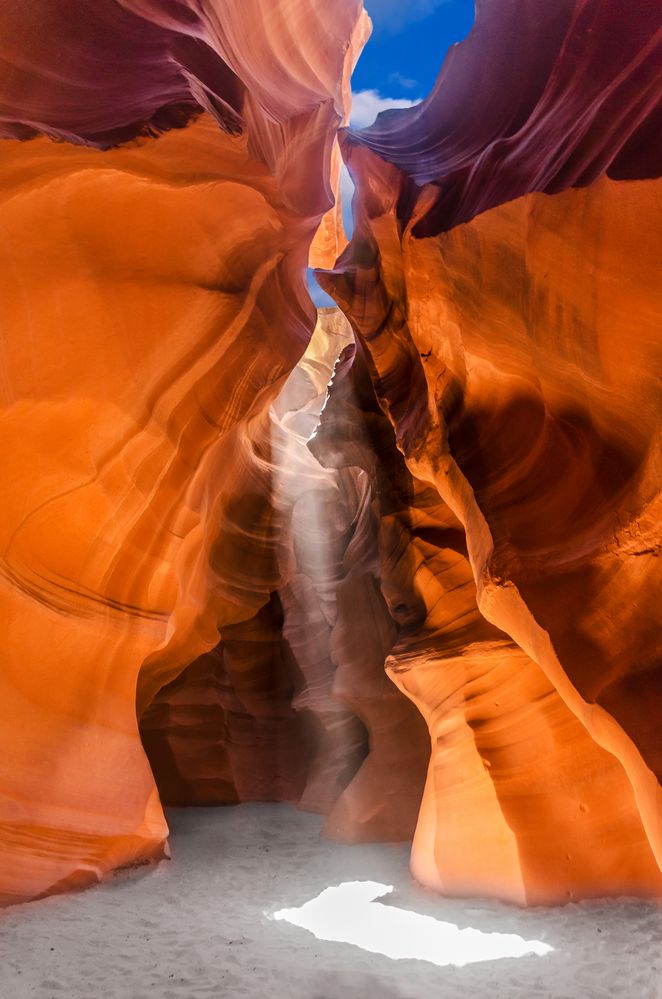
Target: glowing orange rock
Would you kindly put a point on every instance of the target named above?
(519, 386)
(154, 304)
(516, 357)
(182, 564)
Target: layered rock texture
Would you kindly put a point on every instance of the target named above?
(155, 303)
(225, 579)
(513, 341)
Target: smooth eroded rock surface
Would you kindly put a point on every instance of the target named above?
(155, 304)
(398, 566)
(517, 357)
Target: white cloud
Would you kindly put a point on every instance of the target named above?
(403, 81)
(366, 105)
(393, 14)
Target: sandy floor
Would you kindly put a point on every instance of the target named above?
(196, 928)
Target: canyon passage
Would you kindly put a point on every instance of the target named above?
(388, 555)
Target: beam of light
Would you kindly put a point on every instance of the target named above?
(349, 914)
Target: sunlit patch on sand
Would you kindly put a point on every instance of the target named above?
(349, 913)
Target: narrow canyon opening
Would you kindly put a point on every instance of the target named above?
(330, 415)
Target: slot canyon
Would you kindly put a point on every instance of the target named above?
(388, 555)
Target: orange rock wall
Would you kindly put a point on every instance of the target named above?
(155, 303)
(512, 338)
(516, 358)
(202, 577)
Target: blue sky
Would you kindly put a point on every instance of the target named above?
(409, 41)
(399, 66)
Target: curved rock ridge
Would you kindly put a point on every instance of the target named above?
(134, 68)
(516, 357)
(539, 97)
(102, 74)
(520, 802)
(155, 305)
(519, 385)
(210, 553)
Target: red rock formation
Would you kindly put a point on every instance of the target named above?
(516, 358)
(477, 508)
(154, 305)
